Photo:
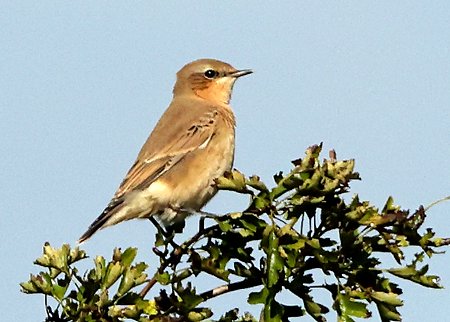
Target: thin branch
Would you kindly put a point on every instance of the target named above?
(436, 202)
(147, 287)
(247, 283)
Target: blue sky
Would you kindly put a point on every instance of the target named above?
(83, 83)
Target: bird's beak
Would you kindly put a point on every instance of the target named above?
(240, 73)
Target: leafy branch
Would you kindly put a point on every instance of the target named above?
(300, 231)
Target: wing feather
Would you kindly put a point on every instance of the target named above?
(146, 170)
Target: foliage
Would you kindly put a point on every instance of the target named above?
(298, 237)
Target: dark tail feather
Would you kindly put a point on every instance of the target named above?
(99, 223)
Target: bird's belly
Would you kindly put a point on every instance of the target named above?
(192, 179)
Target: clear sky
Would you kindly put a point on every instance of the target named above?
(82, 83)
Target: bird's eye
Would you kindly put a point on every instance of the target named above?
(210, 74)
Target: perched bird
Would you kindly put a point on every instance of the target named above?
(191, 145)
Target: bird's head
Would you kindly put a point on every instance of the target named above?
(209, 79)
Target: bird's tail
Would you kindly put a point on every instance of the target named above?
(102, 221)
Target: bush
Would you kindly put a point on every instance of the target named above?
(290, 238)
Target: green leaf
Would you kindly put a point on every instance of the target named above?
(224, 225)
(417, 276)
(199, 314)
(29, 287)
(388, 298)
(260, 202)
(388, 313)
(258, 297)
(189, 297)
(275, 262)
(113, 272)
(127, 282)
(234, 181)
(256, 183)
(390, 206)
(129, 311)
(147, 306)
(241, 270)
(209, 267)
(60, 287)
(76, 254)
(128, 256)
(42, 282)
(314, 243)
(316, 310)
(55, 258)
(273, 311)
(100, 269)
(348, 307)
(163, 278)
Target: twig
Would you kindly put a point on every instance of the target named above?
(148, 287)
(436, 202)
(247, 283)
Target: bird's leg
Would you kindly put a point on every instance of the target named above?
(166, 233)
(199, 212)
(160, 229)
(203, 215)
(201, 224)
(206, 214)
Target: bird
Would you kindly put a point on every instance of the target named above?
(192, 144)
